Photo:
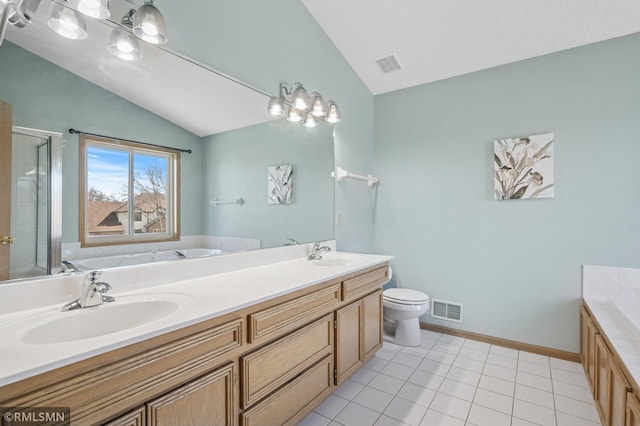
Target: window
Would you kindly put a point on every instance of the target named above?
(128, 192)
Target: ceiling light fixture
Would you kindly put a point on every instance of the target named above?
(66, 22)
(122, 43)
(98, 9)
(294, 102)
(149, 25)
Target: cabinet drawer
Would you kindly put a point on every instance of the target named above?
(365, 283)
(280, 319)
(291, 403)
(268, 368)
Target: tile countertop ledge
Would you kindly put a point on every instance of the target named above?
(620, 331)
(213, 295)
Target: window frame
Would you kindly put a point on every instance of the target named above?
(173, 181)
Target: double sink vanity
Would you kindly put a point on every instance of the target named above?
(254, 338)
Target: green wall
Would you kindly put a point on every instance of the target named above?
(515, 265)
(265, 42)
(237, 163)
(47, 97)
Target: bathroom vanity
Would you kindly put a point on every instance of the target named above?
(292, 332)
(610, 343)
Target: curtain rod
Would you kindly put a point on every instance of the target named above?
(77, 132)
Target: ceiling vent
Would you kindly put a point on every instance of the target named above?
(449, 311)
(388, 64)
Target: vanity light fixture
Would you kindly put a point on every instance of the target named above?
(66, 22)
(295, 103)
(122, 43)
(12, 12)
(149, 24)
(98, 9)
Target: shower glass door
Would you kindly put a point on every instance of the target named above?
(34, 196)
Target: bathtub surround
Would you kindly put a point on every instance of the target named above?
(516, 266)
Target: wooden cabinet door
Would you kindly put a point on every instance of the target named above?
(132, 418)
(618, 389)
(208, 400)
(372, 327)
(602, 383)
(349, 352)
(633, 410)
(590, 332)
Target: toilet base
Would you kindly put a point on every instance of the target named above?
(407, 332)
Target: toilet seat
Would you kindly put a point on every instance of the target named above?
(405, 296)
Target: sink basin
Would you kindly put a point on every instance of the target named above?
(125, 313)
(339, 260)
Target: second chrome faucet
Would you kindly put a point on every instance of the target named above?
(316, 250)
(92, 293)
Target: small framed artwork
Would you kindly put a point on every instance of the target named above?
(280, 184)
(523, 167)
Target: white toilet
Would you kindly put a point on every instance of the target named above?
(401, 309)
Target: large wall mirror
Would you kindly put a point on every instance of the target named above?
(238, 151)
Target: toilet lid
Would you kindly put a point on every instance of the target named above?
(405, 296)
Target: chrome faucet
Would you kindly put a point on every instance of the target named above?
(292, 242)
(180, 254)
(92, 293)
(316, 250)
(69, 267)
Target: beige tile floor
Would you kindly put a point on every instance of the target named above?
(451, 381)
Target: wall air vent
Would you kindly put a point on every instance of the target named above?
(388, 64)
(449, 311)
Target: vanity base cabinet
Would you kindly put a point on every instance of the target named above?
(358, 334)
(611, 389)
(239, 368)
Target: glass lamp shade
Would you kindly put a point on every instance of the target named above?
(276, 107)
(333, 112)
(310, 121)
(66, 22)
(124, 46)
(98, 9)
(318, 105)
(294, 115)
(149, 25)
(300, 97)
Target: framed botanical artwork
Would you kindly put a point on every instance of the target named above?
(523, 167)
(280, 184)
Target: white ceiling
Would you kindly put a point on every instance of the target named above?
(437, 39)
(189, 95)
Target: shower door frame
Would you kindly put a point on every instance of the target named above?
(6, 136)
(54, 204)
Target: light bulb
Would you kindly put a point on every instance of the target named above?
(310, 121)
(294, 115)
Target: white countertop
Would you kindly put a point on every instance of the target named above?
(224, 288)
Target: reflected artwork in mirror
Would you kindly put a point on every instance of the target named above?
(55, 84)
